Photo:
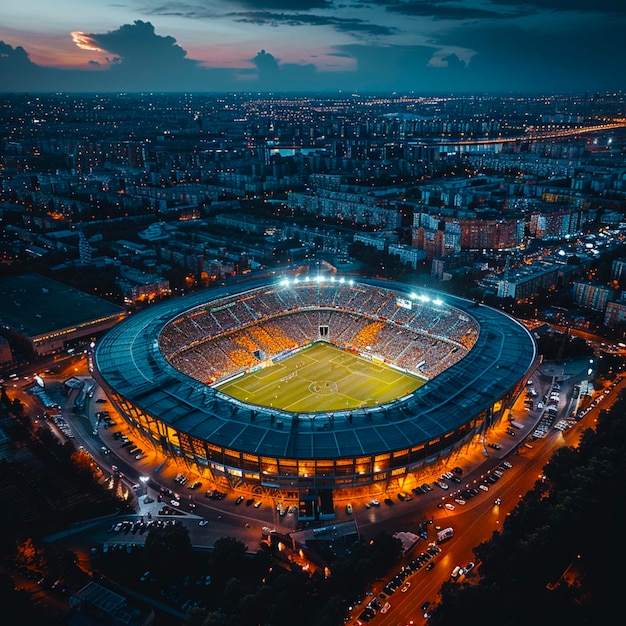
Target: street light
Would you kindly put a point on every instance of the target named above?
(144, 481)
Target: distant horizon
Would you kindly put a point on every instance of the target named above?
(585, 93)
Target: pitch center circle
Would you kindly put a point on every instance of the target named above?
(323, 387)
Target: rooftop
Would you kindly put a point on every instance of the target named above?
(35, 305)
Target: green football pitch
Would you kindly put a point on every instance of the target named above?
(322, 378)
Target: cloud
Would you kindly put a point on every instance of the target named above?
(278, 13)
(403, 68)
(454, 63)
(16, 67)
(285, 77)
(138, 60)
(15, 57)
(346, 25)
(138, 44)
(266, 63)
(19, 73)
(440, 10)
(610, 7)
(381, 68)
(577, 54)
(144, 61)
(561, 57)
(290, 5)
(198, 9)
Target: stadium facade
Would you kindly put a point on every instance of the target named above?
(162, 369)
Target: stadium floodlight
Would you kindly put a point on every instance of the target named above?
(437, 301)
(284, 282)
(413, 295)
(144, 481)
(351, 282)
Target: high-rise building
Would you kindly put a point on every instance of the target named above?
(524, 282)
(618, 270)
(591, 296)
(614, 314)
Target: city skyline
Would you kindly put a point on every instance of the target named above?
(486, 46)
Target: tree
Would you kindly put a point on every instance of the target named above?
(27, 554)
(229, 557)
(232, 594)
(168, 549)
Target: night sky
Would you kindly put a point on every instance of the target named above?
(420, 46)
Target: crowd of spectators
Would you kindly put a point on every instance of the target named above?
(222, 337)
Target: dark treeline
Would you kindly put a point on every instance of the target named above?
(559, 557)
(261, 589)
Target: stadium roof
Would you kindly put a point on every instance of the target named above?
(34, 305)
(129, 360)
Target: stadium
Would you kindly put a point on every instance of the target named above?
(295, 384)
